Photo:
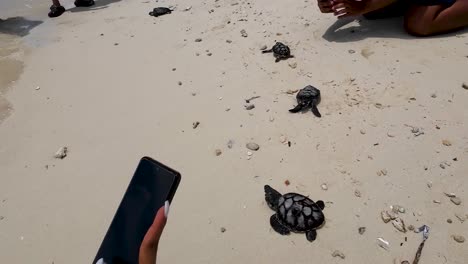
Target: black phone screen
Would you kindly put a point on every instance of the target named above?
(151, 185)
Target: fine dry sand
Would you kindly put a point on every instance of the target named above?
(108, 91)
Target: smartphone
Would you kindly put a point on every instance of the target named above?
(152, 184)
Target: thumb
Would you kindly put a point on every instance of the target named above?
(149, 245)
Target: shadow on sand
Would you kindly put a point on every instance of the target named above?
(18, 26)
(381, 28)
(99, 4)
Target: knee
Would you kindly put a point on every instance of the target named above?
(417, 28)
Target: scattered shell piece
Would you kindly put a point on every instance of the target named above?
(384, 172)
(449, 220)
(357, 193)
(286, 182)
(290, 91)
(460, 217)
(283, 139)
(61, 153)
(362, 230)
(188, 8)
(399, 224)
(228, 41)
(244, 33)
(230, 143)
(249, 153)
(385, 217)
(253, 146)
(218, 152)
(38, 88)
(411, 227)
(339, 254)
(456, 200)
(405, 262)
(383, 243)
(450, 195)
(436, 201)
(179, 83)
(223, 229)
(293, 65)
(324, 187)
(446, 142)
(195, 124)
(393, 215)
(459, 238)
(351, 51)
(465, 86)
(198, 40)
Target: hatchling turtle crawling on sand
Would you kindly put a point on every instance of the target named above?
(294, 213)
(308, 96)
(280, 51)
(159, 11)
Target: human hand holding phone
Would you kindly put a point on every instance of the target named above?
(149, 246)
(134, 233)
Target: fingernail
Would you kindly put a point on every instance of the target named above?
(166, 208)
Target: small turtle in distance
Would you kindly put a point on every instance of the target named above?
(309, 96)
(294, 213)
(280, 51)
(159, 11)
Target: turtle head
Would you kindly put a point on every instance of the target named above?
(320, 204)
(272, 197)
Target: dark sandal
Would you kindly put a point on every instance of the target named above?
(56, 11)
(84, 3)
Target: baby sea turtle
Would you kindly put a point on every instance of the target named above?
(308, 96)
(159, 11)
(294, 212)
(280, 51)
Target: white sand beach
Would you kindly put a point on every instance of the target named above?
(105, 83)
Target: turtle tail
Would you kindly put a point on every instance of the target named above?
(267, 51)
(297, 108)
(272, 197)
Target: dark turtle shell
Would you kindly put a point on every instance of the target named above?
(281, 50)
(159, 11)
(308, 94)
(299, 213)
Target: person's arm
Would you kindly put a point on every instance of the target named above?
(347, 8)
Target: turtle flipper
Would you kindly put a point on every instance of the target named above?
(297, 108)
(311, 235)
(277, 226)
(315, 111)
(267, 51)
(320, 204)
(272, 197)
